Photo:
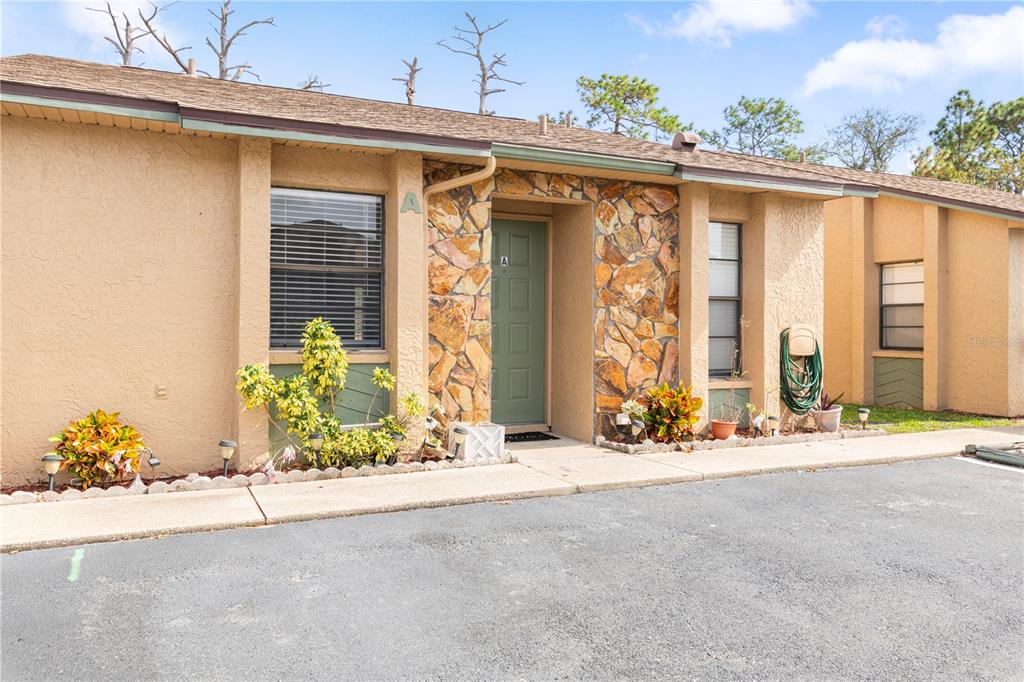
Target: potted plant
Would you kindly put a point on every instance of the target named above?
(728, 420)
(728, 413)
(828, 414)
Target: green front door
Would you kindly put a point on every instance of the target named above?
(518, 258)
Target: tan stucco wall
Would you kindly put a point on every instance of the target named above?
(163, 257)
(572, 326)
(791, 272)
(1015, 323)
(899, 231)
(838, 294)
(252, 289)
(693, 289)
(783, 282)
(969, 350)
(405, 278)
(330, 169)
(118, 277)
(976, 320)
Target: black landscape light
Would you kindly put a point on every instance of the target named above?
(51, 464)
(862, 414)
(227, 451)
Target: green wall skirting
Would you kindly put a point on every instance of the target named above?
(899, 382)
(720, 396)
(352, 402)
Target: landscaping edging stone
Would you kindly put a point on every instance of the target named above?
(194, 481)
(649, 447)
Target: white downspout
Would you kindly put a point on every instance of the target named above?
(482, 174)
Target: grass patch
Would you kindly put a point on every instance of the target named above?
(903, 420)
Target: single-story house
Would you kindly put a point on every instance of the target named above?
(924, 296)
(160, 230)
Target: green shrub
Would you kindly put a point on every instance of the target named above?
(99, 448)
(306, 403)
(671, 413)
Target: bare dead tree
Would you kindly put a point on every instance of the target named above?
(125, 33)
(410, 79)
(226, 39)
(473, 39)
(162, 41)
(313, 83)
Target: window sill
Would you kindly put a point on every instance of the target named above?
(919, 354)
(717, 384)
(294, 357)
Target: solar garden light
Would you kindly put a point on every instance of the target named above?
(432, 423)
(153, 462)
(636, 426)
(623, 423)
(227, 451)
(773, 424)
(459, 433)
(316, 441)
(51, 463)
(862, 414)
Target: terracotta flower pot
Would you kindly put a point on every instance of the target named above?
(720, 430)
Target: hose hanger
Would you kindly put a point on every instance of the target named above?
(799, 369)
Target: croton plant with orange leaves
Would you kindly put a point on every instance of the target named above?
(99, 448)
(671, 413)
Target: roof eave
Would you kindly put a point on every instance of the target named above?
(240, 124)
(764, 182)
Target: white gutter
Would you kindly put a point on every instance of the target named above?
(761, 184)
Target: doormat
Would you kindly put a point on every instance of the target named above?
(527, 436)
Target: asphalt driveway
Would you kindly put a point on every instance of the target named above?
(909, 571)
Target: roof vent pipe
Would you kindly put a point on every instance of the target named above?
(686, 142)
(543, 120)
(192, 66)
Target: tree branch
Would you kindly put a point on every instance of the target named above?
(487, 71)
(162, 40)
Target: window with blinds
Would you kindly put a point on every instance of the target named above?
(903, 306)
(327, 260)
(723, 298)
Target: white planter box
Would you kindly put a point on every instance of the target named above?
(482, 442)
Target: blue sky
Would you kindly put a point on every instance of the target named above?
(827, 59)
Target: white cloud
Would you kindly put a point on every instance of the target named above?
(965, 44)
(719, 21)
(884, 24)
(94, 26)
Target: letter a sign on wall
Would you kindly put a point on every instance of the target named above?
(411, 203)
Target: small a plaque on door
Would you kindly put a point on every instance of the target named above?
(504, 261)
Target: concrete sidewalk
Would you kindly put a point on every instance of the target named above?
(563, 469)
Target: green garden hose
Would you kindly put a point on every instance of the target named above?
(800, 379)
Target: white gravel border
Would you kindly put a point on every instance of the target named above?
(650, 447)
(194, 481)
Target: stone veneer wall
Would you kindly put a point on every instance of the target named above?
(459, 290)
(636, 287)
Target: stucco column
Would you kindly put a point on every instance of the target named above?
(406, 278)
(1015, 329)
(253, 287)
(752, 312)
(693, 289)
(935, 274)
(784, 285)
(864, 294)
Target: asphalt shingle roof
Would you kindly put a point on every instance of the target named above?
(313, 107)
